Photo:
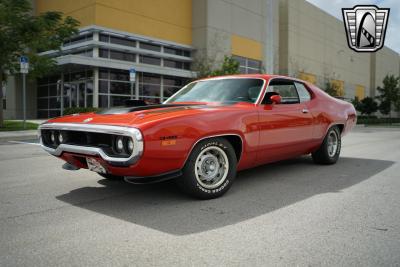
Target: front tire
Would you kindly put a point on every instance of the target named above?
(329, 151)
(210, 169)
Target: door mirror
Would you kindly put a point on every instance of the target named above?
(276, 99)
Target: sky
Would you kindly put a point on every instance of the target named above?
(392, 39)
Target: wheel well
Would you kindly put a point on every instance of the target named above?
(236, 143)
(341, 127)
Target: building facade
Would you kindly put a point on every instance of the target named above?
(165, 40)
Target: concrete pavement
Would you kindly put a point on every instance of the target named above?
(288, 213)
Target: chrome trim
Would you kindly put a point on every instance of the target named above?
(211, 136)
(134, 133)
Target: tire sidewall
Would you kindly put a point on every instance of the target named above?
(190, 183)
(335, 157)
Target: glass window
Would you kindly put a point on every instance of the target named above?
(286, 89)
(104, 53)
(122, 56)
(174, 81)
(42, 91)
(118, 100)
(89, 101)
(120, 88)
(303, 92)
(151, 47)
(103, 74)
(43, 114)
(89, 87)
(221, 90)
(119, 75)
(150, 60)
(150, 78)
(42, 103)
(103, 101)
(169, 91)
(54, 102)
(104, 38)
(149, 90)
(173, 64)
(122, 41)
(186, 53)
(53, 90)
(173, 51)
(103, 87)
(54, 113)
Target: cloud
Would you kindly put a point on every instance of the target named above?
(392, 40)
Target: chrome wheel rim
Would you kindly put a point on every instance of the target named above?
(332, 143)
(211, 167)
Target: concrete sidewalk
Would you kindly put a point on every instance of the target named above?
(18, 135)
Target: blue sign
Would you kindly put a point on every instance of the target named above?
(132, 74)
(23, 59)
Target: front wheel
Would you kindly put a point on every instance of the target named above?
(329, 151)
(210, 169)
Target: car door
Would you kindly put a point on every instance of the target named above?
(285, 128)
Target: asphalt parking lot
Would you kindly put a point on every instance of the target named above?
(288, 213)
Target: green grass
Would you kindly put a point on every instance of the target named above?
(17, 126)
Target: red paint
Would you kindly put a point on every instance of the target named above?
(269, 132)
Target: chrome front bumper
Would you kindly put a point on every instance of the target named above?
(134, 133)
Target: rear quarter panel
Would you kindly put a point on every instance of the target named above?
(328, 111)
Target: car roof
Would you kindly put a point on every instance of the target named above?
(254, 76)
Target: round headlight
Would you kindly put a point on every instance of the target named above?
(119, 143)
(61, 137)
(130, 145)
(52, 137)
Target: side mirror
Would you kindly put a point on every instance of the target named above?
(276, 99)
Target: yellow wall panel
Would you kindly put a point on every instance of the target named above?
(339, 86)
(360, 92)
(246, 47)
(164, 19)
(308, 77)
(83, 10)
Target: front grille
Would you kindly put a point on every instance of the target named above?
(81, 138)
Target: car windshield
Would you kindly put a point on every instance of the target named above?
(220, 90)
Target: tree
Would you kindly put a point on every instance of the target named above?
(367, 106)
(229, 66)
(22, 33)
(331, 89)
(389, 94)
(356, 103)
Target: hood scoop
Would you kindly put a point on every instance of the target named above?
(124, 110)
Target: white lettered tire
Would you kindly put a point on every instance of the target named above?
(210, 169)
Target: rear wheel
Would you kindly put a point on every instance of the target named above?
(210, 169)
(329, 151)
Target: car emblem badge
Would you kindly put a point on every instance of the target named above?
(365, 27)
(87, 120)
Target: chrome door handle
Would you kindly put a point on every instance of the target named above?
(305, 110)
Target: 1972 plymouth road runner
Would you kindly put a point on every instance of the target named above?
(205, 133)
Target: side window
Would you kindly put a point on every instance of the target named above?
(303, 92)
(285, 88)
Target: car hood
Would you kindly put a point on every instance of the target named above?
(138, 116)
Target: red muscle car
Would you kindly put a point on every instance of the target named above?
(205, 133)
